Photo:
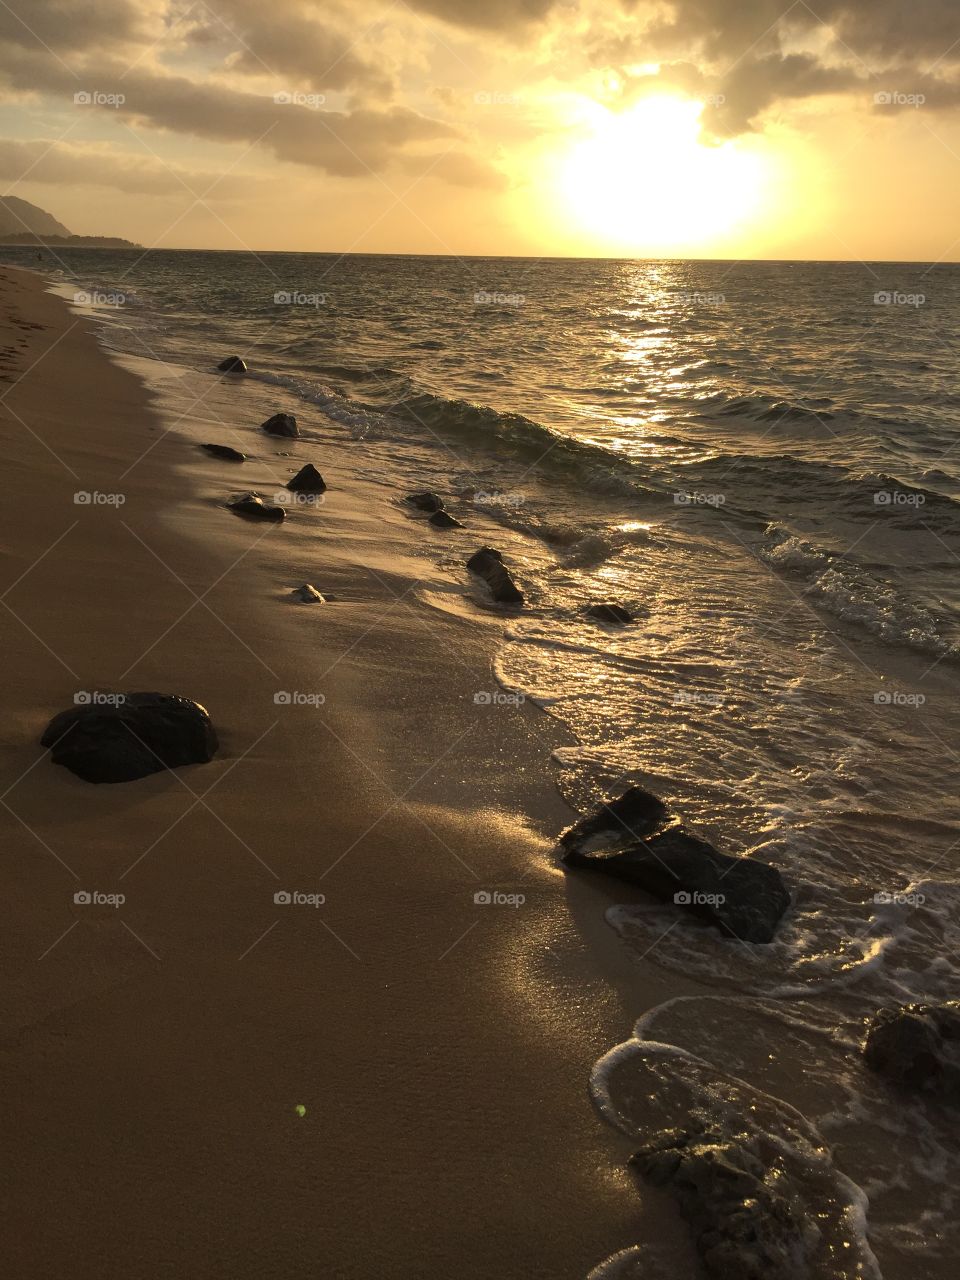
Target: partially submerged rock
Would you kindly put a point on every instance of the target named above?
(308, 594)
(610, 612)
(444, 520)
(425, 501)
(748, 1215)
(130, 736)
(918, 1046)
(253, 507)
(281, 424)
(488, 564)
(637, 839)
(224, 451)
(232, 364)
(307, 480)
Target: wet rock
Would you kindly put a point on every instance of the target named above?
(444, 520)
(232, 364)
(309, 595)
(747, 1213)
(253, 507)
(307, 480)
(918, 1046)
(224, 451)
(425, 501)
(610, 612)
(281, 424)
(638, 840)
(131, 736)
(635, 814)
(488, 564)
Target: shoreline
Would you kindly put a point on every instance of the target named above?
(442, 1049)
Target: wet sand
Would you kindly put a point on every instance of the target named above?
(155, 1054)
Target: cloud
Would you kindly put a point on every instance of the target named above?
(100, 165)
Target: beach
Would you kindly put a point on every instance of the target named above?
(156, 1052)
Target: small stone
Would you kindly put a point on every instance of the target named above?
(281, 424)
(425, 501)
(232, 364)
(224, 451)
(309, 595)
(307, 480)
(253, 507)
(444, 520)
(610, 612)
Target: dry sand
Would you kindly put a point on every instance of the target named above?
(154, 1054)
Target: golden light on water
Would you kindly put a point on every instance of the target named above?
(644, 179)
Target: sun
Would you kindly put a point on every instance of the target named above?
(644, 181)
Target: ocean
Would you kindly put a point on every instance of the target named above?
(762, 462)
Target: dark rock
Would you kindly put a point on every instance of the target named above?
(425, 501)
(610, 612)
(281, 424)
(629, 818)
(444, 520)
(309, 595)
(741, 896)
(307, 480)
(918, 1046)
(253, 507)
(488, 564)
(747, 1212)
(224, 451)
(119, 741)
(232, 364)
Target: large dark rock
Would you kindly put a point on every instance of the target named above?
(425, 501)
(307, 480)
(444, 520)
(232, 364)
(224, 451)
(636, 839)
(281, 424)
(747, 1213)
(125, 739)
(488, 564)
(253, 507)
(610, 612)
(918, 1046)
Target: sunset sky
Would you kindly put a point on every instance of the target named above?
(704, 128)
